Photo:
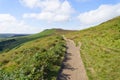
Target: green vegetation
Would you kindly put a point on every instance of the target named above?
(10, 43)
(39, 59)
(39, 56)
(100, 50)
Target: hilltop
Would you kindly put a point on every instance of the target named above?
(11, 42)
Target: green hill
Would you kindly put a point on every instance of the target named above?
(100, 50)
(40, 56)
(12, 42)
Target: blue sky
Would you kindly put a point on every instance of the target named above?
(33, 16)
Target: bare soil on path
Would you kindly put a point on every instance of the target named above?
(72, 67)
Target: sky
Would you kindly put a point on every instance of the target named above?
(33, 16)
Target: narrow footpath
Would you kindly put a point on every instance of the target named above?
(72, 67)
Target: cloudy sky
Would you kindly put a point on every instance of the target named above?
(33, 16)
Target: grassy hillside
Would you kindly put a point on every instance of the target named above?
(10, 43)
(39, 56)
(39, 59)
(100, 50)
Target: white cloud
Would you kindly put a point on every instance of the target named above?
(6, 17)
(29, 3)
(83, 0)
(51, 10)
(9, 24)
(103, 13)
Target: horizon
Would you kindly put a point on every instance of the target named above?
(31, 17)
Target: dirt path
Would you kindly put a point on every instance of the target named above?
(72, 68)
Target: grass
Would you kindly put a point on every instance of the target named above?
(34, 57)
(100, 49)
(10, 43)
(39, 56)
(37, 59)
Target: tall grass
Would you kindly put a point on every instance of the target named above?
(39, 59)
(100, 50)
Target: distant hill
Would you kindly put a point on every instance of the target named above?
(11, 41)
(11, 35)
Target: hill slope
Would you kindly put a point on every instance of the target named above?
(38, 58)
(100, 49)
(12, 42)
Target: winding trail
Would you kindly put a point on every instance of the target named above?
(73, 67)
